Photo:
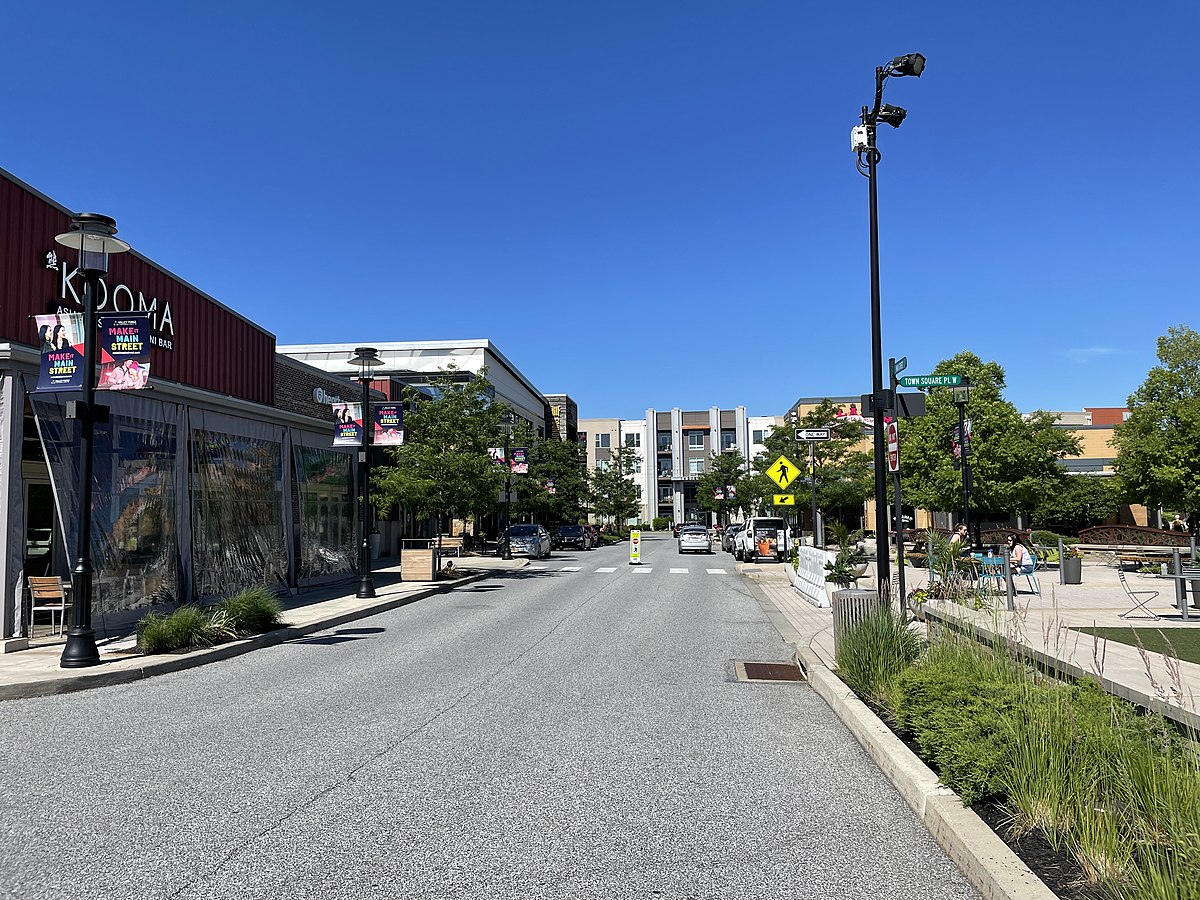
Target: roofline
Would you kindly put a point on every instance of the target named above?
(147, 260)
(470, 344)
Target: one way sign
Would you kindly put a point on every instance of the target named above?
(814, 434)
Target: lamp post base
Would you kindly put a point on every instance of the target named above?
(80, 650)
(366, 589)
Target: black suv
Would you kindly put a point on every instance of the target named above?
(574, 536)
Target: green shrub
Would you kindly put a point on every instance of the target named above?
(873, 651)
(1050, 539)
(253, 611)
(187, 626)
(661, 523)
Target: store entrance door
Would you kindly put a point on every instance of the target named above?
(39, 527)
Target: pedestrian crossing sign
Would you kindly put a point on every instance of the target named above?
(783, 472)
(785, 499)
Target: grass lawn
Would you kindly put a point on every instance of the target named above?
(1185, 641)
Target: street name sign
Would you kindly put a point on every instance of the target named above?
(783, 472)
(901, 365)
(931, 380)
(814, 434)
(785, 499)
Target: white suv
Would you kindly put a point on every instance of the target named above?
(762, 536)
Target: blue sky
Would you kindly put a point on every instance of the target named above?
(643, 203)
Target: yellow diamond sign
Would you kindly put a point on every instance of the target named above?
(785, 499)
(783, 472)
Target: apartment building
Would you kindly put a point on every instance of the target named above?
(673, 448)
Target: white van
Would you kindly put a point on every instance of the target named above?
(763, 536)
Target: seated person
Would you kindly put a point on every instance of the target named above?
(958, 540)
(1021, 559)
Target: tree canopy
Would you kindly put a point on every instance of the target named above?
(1157, 445)
(719, 488)
(444, 468)
(1014, 460)
(556, 486)
(614, 495)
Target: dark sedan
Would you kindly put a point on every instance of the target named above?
(576, 536)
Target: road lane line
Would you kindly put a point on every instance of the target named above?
(607, 569)
(679, 571)
(716, 571)
(572, 568)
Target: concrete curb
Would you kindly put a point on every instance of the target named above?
(987, 862)
(162, 665)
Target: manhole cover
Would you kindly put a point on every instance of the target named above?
(768, 671)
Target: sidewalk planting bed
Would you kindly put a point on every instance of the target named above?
(1099, 799)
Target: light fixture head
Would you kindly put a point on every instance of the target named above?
(364, 360)
(892, 115)
(92, 235)
(908, 64)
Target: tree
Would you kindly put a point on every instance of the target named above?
(614, 495)
(1079, 501)
(1013, 459)
(444, 468)
(1157, 445)
(717, 490)
(556, 487)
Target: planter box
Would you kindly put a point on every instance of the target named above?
(418, 565)
(1072, 570)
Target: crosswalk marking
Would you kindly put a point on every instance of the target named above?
(607, 569)
(572, 568)
(679, 571)
(539, 568)
(716, 571)
(646, 569)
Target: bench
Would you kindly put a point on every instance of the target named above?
(1128, 554)
(451, 542)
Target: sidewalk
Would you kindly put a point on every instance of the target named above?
(1043, 625)
(35, 672)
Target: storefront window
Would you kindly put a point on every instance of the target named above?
(327, 528)
(237, 512)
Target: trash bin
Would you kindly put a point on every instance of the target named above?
(851, 606)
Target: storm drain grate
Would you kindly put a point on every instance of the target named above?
(768, 671)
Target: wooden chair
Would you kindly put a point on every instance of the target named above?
(48, 596)
(1137, 603)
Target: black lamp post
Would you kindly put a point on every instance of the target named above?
(962, 395)
(507, 420)
(92, 235)
(862, 142)
(364, 360)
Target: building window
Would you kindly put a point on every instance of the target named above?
(696, 466)
(602, 465)
(633, 440)
(664, 493)
(757, 437)
(696, 440)
(602, 440)
(664, 470)
(728, 440)
(664, 442)
(637, 467)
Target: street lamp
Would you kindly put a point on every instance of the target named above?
(92, 235)
(862, 142)
(962, 394)
(507, 420)
(364, 360)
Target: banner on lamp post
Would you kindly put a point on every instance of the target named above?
(388, 421)
(519, 460)
(348, 424)
(124, 353)
(61, 340)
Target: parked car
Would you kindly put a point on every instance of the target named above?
(575, 536)
(694, 538)
(528, 540)
(729, 536)
(762, 536)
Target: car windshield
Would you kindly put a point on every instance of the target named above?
(571, 531)
(695, 529)
(523, 530)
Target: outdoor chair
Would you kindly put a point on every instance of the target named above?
(48, 596)
(1031, 577)
(1137, 603)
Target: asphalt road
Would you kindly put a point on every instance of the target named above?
(550, 733)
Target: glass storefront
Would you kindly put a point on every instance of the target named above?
(327, 534)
